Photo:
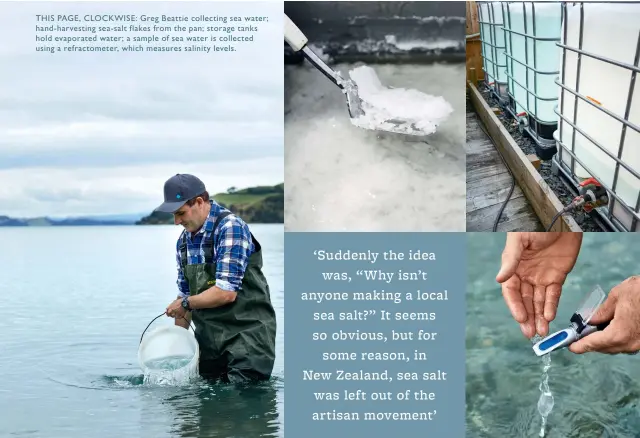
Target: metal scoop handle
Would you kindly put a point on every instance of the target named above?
(293, 35)
(298, 42)
(163, 314)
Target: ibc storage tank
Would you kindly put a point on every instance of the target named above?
(532, 30)
(599, 106)
(492, 40)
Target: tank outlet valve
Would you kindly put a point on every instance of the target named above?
(594, 194)
(523, 122)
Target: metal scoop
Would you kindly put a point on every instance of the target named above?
(298, 42)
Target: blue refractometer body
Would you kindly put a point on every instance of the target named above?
(579, 325)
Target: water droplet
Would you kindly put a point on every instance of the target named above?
(545, 404)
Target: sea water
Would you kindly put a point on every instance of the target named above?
(169, 363)
(420, 113)
(169, 370)
(545, 401)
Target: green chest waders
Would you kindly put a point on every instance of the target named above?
(237, 341)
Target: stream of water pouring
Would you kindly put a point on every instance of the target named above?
(545, 402)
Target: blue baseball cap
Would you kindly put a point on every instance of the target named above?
(179, 189)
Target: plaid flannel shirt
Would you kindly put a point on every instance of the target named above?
(231, 254)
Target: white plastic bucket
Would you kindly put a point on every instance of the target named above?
(170, 341)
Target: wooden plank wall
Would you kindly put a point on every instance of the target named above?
(474, 47)
(543, 200)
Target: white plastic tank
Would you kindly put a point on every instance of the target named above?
(611, 31)
(543, 56)
(492, 35)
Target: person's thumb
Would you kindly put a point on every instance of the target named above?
(592, 342)
(601, 339)
(510, 257)
(607, 309)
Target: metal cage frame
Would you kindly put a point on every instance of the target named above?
(546, 145)
(606, 212)
(499, 85)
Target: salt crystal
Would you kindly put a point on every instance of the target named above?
(420, 112)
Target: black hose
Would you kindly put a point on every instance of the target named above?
(555, 218)
(162, 314)
(576, 203)
(513, 180)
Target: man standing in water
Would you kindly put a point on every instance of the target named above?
(221, 285)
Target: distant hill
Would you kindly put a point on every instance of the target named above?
(258, 205)
(6, 221)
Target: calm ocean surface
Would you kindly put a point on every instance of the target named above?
(595, 395)
(75, 302)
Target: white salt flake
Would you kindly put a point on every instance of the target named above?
(420, 113)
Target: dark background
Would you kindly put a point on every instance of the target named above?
(356, 31)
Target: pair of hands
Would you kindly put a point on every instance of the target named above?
(534, 268)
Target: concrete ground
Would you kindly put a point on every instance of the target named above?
(342, 178)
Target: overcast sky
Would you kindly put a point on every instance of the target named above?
(90, 133)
